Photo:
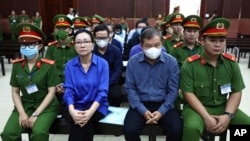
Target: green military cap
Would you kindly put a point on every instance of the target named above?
(164, 24)
(79, 22)
(216, 27)
(62, 20)
(176, 18)
(28, 32)
(88, 20)
(97, 19)
(192, 21)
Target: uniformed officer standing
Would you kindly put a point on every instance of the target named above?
(35, 78)
(212, 85)
(37, 20)
(13, 18)
(62, 49)
(190, 46)
(23, 18)
(177, 36)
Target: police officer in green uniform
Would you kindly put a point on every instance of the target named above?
(62, 49)
(35, 78)
(23, 18)
(13, 18)
(190, 45)
(176, 37)
(212, 85)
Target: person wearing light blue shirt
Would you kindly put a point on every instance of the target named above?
(152, 83)
(86, 87)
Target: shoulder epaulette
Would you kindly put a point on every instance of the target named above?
(177, 44)
(52, 43)
(166, 37)
(48, 61)
(17, 60)
(229, 56)
(193, 58)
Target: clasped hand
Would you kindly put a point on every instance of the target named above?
(80, 117)
(26, 122)
(217, 123)
(152, 118)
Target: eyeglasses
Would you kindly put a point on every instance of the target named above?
(102, 38)
(79, 43)
(30, 45)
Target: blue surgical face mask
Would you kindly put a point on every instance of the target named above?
(139, 31)
(30, 52)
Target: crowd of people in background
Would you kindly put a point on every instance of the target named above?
(167, 66)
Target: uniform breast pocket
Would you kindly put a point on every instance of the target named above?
(202, 90)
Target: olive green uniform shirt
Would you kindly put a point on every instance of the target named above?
(170, 42)
(43, 77)
(23, 19)
(61, 56)
(182, 52)
(37, 21)
(205, 81)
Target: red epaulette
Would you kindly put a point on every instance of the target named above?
(177, 44)
(193, 58)
(166, 37)
(17, 60)
(229, 56)
(52, 43)
(48, 61)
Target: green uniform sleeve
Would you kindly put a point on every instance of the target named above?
(186, 79)
(237, 80)
(53, 76)
(13, 80)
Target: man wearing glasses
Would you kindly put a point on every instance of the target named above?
(114, 58)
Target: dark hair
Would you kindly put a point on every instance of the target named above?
(117, 26)
(84, 31)
(141, 21)
(101, 27)
(149, 33)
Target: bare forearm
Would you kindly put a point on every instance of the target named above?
(233, 102)
(195, 103)
(47, 100)
(18, 102)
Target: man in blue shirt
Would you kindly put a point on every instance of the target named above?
(114, 58)
(152, 83)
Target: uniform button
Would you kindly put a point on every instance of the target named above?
(214, 79)
(214, 90)
(201, 86)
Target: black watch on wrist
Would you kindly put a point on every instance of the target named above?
(230, 115)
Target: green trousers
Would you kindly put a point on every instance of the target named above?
(193, 124)
(12, 131)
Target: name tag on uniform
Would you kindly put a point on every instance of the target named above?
(225, 89)
(31, 89)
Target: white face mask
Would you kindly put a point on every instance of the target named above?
(102, 43)
(87, 28)
(153, 52)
